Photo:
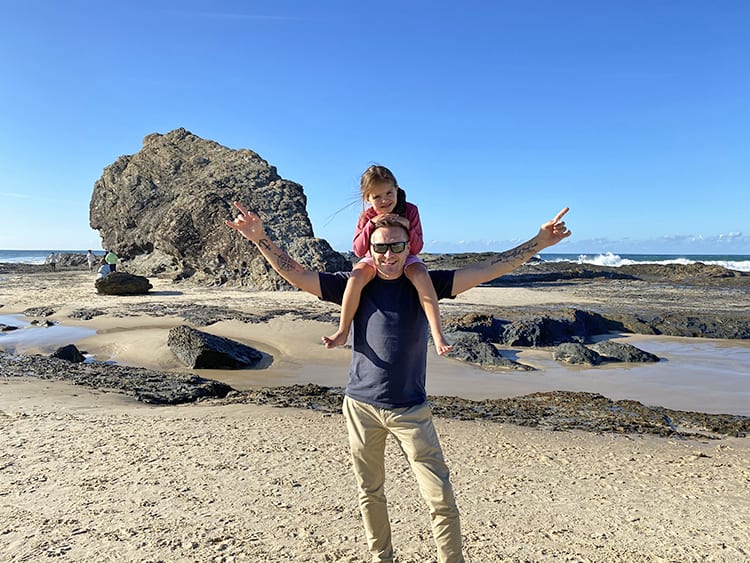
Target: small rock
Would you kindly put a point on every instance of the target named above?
(622, 352)
(574, 353)
(68, 353)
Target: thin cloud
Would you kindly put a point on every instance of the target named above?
(233, 16)
(17, 196)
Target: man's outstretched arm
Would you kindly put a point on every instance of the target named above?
(549, 234)
(250, 226)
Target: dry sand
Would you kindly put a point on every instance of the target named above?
(93, 476)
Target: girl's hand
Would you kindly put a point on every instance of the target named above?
(393, 217)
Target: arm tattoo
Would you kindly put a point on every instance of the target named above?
(523, 252)
(264, 244)
(285, 263)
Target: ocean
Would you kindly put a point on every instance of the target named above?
(739, 262)
(37, 256)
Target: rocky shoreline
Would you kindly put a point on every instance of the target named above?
(696, 301)
(557, 410)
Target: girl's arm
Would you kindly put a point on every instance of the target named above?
(361, 242)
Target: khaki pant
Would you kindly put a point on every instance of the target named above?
(368, 428)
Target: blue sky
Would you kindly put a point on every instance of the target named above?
(492, 115)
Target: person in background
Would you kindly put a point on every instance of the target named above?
(91, 259)
(386, 391)
(51, 261)
(111, 259)
(104, 269)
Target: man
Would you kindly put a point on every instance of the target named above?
(51, 261)
(386, 389)
(91, 260)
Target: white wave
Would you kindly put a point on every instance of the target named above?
(615, 260)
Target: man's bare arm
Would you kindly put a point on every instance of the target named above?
(549, 234)
(250, 226)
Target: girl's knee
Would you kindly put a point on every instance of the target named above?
(362, 275)
(416, 271)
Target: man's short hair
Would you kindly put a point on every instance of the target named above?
(384, 223)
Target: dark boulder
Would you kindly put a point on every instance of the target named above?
(571, 325)
(201, 350)
(122, 283)
(622, 352)
(575, 353)
(7, 328)
(483, 324)
(473, 348)
(162, 210)
(68, 353)
(707, 325)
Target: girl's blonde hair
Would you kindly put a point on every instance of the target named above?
(373, 176)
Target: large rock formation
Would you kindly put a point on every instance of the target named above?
(162, 210)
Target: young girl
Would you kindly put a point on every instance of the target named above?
(379, 188)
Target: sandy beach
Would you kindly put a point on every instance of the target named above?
(87, 475)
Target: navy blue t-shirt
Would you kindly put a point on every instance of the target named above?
(389, 335)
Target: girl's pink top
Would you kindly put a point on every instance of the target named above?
(361, 242)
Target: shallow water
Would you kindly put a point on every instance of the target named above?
(33, 339)
(704, 375)
(695, 374)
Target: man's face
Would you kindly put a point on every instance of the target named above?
(390, 265)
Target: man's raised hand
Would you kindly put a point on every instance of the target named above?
(555, 230)
(247, 223)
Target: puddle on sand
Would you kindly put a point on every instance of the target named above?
(39, 339)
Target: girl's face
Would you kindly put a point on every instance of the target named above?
(382, 197)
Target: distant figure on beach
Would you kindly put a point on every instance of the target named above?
(51, 261)
(379, 189)
(386, 389)
(111, 259)
(104, 269)
(91, 259)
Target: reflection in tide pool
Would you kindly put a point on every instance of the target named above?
(38, 339)
(695, 374)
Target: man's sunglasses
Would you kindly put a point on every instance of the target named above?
(382, 247)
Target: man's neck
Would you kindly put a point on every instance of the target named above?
(390, 277)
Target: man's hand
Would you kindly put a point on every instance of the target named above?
(553, 231)
(247, 223)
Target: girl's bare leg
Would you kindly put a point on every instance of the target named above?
(362, 274)
(417, 274)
